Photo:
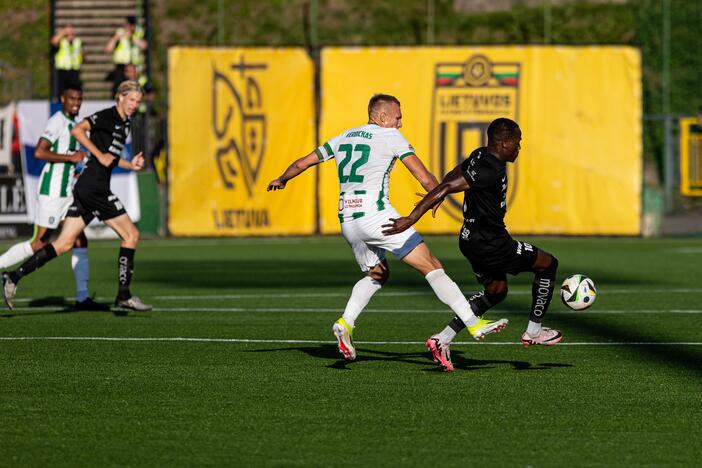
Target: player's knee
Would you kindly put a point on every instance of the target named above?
(497, 288)
(551, 270)
(62, 246)
(496, 298)
(132, 236)
(37, 244)
(380, 274)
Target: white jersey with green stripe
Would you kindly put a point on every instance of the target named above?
(364, 158)
(55, 178)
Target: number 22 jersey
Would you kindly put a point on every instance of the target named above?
(364, 157)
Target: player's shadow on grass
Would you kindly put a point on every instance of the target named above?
(418, 358)
(462, 363)
(54, 305)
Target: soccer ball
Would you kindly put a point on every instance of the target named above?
(578, 292)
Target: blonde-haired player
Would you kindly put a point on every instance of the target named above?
(92, 196)
(364, 157)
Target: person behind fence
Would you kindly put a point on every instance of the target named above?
(127, 45)
(68, 58)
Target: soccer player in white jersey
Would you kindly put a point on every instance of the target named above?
(55, 194)
(364, 157)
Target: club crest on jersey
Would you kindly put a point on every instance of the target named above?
(467, 97)
(238, 123)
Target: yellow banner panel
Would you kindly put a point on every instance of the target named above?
(237, 117)
(579, 108)
(690, 157)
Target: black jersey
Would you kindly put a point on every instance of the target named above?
(109, 133)
(485, 202)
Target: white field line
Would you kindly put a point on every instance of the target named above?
(378, 343)
(384, 311)
(405, 293)
(264, 295)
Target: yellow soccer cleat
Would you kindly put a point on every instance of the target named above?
(344, 335)
(485, 327)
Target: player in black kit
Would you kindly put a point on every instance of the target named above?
(92, 196)
(484, 240)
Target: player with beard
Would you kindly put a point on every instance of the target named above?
(484, 239)
(92, 196)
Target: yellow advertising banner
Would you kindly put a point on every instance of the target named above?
(579, 171)
(237, 117)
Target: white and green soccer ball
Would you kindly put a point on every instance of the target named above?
(578, 292)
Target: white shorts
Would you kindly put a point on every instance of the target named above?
(369, 244)
(51, 210)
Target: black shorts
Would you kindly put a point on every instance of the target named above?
(494, 254)
(89, 205)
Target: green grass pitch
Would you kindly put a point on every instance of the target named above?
(236, 366)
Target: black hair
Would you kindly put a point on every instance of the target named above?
(131, 19)
(379, 99)
(73, 86)
(502, 129)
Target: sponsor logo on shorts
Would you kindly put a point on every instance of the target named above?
(525, 246)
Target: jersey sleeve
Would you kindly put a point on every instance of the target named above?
(399, 146)
(478, 175)
(97, 120)
(53, 130)
(326, 151)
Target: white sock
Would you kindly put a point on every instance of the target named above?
(16, 254)
(447, 335)
(360, 295)
(81, 271)
(448, 292)
(533, 328)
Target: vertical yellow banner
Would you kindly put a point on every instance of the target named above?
(579, 108)
(237, 117)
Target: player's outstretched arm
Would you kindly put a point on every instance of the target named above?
(295, 169)
(454, 182)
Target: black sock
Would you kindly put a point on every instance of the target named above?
(542, 292)
(125, 265)
(479, 303)
(34, 262)
(483, 301)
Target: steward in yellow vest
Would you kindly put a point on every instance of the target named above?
(127, 46)
(68, 58)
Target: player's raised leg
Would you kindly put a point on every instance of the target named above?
(23, 250)
(448, 292)
(545, 268)
(495, 292)
(128, 232)
(72, 227)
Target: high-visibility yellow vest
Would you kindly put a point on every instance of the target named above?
(126, 51)
(69, 55)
